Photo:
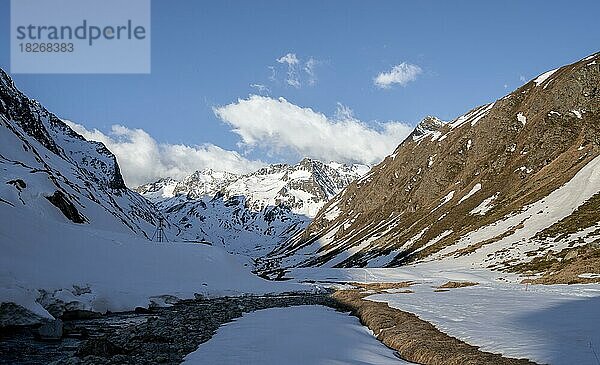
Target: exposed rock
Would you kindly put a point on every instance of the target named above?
(66, 207)
(52, 330)
(12, 314)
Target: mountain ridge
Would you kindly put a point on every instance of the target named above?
(47, 167)
(447, 180)
(249, 213)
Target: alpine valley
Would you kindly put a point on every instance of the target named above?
(454, 249)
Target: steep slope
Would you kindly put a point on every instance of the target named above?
(74, 238)
(249, 214)
(50, 171)
(498, 187)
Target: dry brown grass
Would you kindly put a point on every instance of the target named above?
(474, 247)
(414, 339)
(583, 217)
(382, 287)
(457, 284)
(566, 266)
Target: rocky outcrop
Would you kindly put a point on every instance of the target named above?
(66, 207)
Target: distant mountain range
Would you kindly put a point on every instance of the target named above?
(249, 214)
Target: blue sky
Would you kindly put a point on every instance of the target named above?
(206, 54)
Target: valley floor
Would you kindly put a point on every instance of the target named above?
(558, 324)
(553, 324)
(297, 335)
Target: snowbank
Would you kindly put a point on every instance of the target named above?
(547, 324)
(556, 324)
(101, 270)
(295, 335)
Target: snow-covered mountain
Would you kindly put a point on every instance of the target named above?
(50, 171)
(251, 213)
(73, 237)
(511, 185)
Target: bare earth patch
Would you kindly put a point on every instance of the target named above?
(416, 340)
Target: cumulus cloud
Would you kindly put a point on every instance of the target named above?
(279, 126)
(400, 74)
(142, 159)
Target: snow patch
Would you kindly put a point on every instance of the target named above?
(121, 270)
(578, 113)
(474, 190)
(485, 206)
(521, 118)
(546, 324)
(543, 77)
(437, 239)
(295, 335)
(444, 200)
(473, 117)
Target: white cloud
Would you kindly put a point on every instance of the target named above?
(279, 126)
(343, 112)
(522, 78)
(142, 159)
(400, 74)
(273, 76)
(293, 79)
(309, 68)
(289, 58)
(298, 72)
(262, 89)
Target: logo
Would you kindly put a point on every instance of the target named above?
(80, 36)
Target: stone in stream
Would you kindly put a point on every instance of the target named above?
(52, 330)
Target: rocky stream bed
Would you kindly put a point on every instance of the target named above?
(153, 336)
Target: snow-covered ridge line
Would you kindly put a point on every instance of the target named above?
(250, 214)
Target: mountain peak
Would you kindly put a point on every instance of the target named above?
(427, 126)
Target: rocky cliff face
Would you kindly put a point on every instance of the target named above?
(250, 214)
(47, 169)
(498, 187)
